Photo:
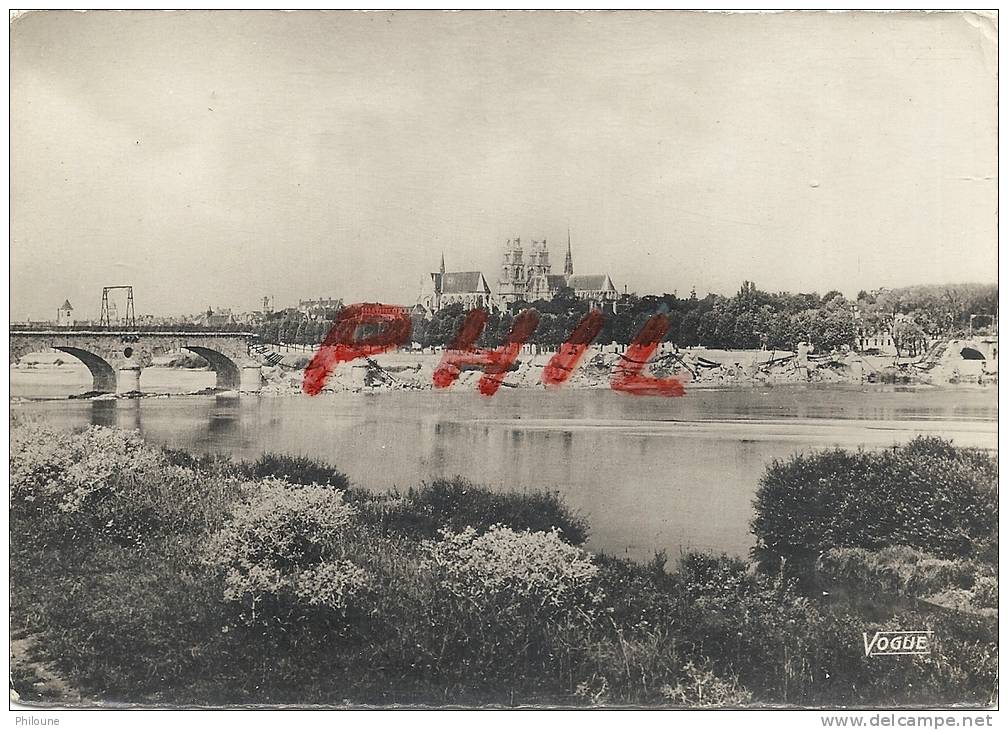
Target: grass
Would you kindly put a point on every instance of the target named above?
(137, 589)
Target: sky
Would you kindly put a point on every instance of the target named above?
(211, 158)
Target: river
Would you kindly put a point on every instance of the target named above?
(648, 473)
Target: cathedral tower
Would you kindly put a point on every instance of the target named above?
(511, 285)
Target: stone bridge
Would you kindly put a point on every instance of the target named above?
(115, 359)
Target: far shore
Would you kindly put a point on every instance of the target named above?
(698, 368)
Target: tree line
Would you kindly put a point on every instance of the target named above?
(750, 319)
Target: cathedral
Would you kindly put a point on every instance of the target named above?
(531, 279)
(525, 277)
(443, 288)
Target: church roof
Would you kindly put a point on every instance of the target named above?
(66, 306)
(591, 282)
(556, 281)
(462, 282)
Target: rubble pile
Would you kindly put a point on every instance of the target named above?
(956, 363)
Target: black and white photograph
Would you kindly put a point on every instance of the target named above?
(499, 359)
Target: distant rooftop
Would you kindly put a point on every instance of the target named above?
(462, 282)
(591, 282)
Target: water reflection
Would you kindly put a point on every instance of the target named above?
(224, 422)
(123, 414)
(648, 473)
(103, 413)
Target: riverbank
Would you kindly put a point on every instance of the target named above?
(161, 577)
(696, 367)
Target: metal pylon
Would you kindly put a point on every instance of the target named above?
(106, 318)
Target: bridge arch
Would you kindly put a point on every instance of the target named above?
(228, 373)
(103, 375)
(116, 359)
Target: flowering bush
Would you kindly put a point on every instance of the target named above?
(282, 554)
(61, 470)
(106, 482)
(508, 569)
(509, 606)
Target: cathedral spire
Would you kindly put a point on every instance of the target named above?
(568, 262)
(442, 262)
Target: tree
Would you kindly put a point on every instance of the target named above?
(834, 328)
(745, 335)
(675, 319)
(906, 335)
(779, 331)
(707, 329)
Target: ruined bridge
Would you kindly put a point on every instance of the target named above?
(115, 359)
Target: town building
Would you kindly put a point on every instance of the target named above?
(878, 336)
(64, 315)
(319, 308)
(211, 319)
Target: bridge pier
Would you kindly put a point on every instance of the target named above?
(128, 380)
(251, 379)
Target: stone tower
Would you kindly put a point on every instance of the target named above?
(512, 284)
(64, 315)
(538, 264)
(537, 272)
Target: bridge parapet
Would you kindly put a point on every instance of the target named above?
(116, 358)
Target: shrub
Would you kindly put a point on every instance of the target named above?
(897, 570)
(985, 592)
(216, 464)
(455, 504)
(787, 648)
(294, 470)
(745, 624)
(638, 596)
(281, 556)
(927, 495)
